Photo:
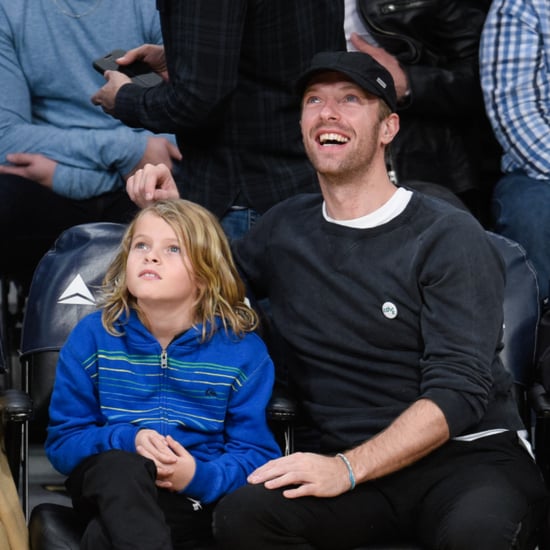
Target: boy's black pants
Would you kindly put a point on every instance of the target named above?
(115, 496)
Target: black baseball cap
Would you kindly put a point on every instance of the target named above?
(359, 67)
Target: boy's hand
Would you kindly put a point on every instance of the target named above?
(152, 445)
(176, 477)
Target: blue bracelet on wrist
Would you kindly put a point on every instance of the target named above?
(350, 470)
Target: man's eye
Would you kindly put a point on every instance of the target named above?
(351, 98)
(312, 99)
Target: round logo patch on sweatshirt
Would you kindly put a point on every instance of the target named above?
(389, 310)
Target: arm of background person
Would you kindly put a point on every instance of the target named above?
(118, 148)
(79, 183)
(202, 46)
(516, 82)
(75, 183)
(449, 86)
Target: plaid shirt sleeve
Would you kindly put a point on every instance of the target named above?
(202, 46)
(515, 77)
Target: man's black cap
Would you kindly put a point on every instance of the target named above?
(360, 67)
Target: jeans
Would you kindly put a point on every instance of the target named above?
(236, 222)
(520, 207)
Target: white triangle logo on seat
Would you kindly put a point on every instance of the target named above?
(77, 293)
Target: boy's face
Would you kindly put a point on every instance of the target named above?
(158, 270)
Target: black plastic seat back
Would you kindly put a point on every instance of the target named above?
(521, 317)
(64, 289)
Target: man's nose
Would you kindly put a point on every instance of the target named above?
(329, 110)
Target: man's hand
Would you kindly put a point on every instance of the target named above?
(415, 433)
(150, 184)
(159, 150)
(151, 54)
(32, 166)
(106, 96)
(306, 474)
(387, 60)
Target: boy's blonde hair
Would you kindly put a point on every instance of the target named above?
(221, 290)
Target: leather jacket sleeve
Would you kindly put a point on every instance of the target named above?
(436, 42)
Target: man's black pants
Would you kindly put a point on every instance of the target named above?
(485, 494)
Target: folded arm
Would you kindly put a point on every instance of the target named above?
(516, 84)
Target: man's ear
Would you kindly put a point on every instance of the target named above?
(389, 128)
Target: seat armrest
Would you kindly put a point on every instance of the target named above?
(54, 527)
(281, 407)
(15, 405)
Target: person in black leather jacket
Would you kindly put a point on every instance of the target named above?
(431, 49)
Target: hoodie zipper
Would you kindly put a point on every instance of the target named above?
(162, 382)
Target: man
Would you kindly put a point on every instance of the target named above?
(229, 98)
(515, 77)
(389, 306)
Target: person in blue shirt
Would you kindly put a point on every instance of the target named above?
(158, 407)
(62, 160)
(515, 77)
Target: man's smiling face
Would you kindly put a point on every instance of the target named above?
(340, 124)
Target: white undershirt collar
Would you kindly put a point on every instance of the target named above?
(387, 212)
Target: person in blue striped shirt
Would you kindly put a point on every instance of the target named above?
(158, 407)
(515, 77)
